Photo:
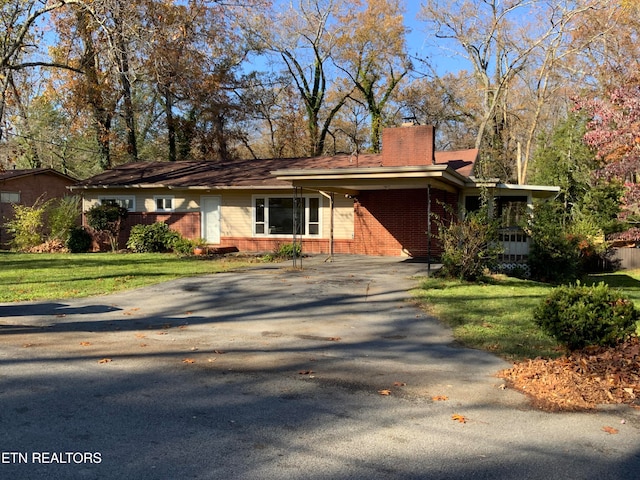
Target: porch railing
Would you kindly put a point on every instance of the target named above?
(515, 244)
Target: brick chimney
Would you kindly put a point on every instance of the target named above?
(408, 146)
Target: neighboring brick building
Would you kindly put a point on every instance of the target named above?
(373, 204)
(25, 187)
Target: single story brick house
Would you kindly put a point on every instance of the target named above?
(25, 187)
(372, 204)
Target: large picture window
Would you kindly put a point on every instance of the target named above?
(279, 215)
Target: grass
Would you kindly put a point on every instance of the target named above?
(498, 315)
(58, 276)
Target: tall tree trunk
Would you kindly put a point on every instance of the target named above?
(125, 81)
(171, 124)
(101, 115)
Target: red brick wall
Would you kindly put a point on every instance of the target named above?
(403, 146)
(31, 187)
(310, 246)
(187, 224)
(394, 222)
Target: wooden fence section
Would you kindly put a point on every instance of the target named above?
(629, 257)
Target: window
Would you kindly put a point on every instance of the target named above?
(125, 201)
(512, 211)
(164, 204)
(472, 203)
(275, 215)
(9, 197)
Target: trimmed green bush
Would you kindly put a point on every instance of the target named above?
(79, 240)
(579, 316)
(157, 237)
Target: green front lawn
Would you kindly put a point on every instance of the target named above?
(57, 276)
(497, 315)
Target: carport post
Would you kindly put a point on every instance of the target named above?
(298, 199)
(331, 197)
(428, 230)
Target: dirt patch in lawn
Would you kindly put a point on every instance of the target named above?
(581, 380)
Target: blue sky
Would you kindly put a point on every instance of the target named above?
(418, 43)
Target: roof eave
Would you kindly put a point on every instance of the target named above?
(179, 187)
(368, 175)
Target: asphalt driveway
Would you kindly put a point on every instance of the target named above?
(275, 373)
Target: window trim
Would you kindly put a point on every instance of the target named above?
(164, 198)
(118, 198)
(265, 221)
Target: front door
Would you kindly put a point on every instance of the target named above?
(210, 213)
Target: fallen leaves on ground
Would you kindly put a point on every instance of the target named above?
(85, 344)
(188, 360)
(305, 372)
(104, 360)
(581, 380)
(440, 398)
(458, 418)
(610, 430)
(384, 392)
(399, 384)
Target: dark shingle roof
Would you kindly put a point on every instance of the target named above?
(17, 173)
(242, 173)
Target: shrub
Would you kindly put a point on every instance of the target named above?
(157, 237)
(285, 250)
(79, 240)
(63, 216)
(578, 316)
(107, 218)
(27, 226)
(184, 246)
(290, 250)
(470, 246)
(554, 255)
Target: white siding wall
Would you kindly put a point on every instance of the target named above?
(236, 210)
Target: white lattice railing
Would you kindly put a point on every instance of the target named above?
(515, 244)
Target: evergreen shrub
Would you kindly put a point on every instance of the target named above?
(579, 316)
(157, 237)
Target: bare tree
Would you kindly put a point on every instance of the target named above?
(503, 42)
(372, 54)
(305, 43)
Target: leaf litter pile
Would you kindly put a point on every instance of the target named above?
(581, 380)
